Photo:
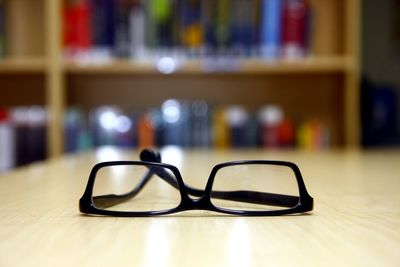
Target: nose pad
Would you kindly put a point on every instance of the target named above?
(198, 203)
(195, 199)
(150, 155)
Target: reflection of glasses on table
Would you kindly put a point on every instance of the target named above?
(149, 187)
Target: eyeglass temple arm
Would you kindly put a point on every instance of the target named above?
(254, 197)
(241, 196)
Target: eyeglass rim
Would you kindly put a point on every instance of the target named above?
(87, 206)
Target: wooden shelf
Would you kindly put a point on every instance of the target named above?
(248, 66)
(327, 84)
(22, 65)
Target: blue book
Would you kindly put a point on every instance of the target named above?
(271, 24)
(175, 121)
(103, 26)
(191, 28)
(242, 27)
(237, 119)
(209, 13)
(200, 124)
(122, 28)
(72, 127)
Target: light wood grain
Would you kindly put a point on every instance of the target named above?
(55, 93)
(25, 65)
(24, 28)
(356, 221)
(352, 98)
(237, 67)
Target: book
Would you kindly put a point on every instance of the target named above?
(175, 116)
(220, 131)
(237, 121)
(191, 27)
(145, 131)
(77, 36)
(125, 131)
(122, 47)
(286, 133)
(74, 128)
(20, 121)
(222, 27)
(313, 135)
(137, 28)
(294, 24)
(37, 138)
(103, 125)
(209, 12)
(270, 29)
(7, 142)
(160, 13)
(200, 134)
(29, 125)
(242, 27)
(103, 17)
(217, 30)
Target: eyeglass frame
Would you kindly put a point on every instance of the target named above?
(88, 206)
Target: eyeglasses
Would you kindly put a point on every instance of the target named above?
(149, 187)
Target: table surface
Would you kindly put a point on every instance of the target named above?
(356, 220)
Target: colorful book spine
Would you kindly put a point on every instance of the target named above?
(20, 122)
(222, 27)
(187, 28)
(7, 142)
(189, 124)
(242, 28)
(103, 28)
(221, 136)
(77, 27)
(160, 12)
(209, 8)
(37, 133)
(103, 125)
(270, 118)
(176, 123)
(271, 27)
(313, 135)
(146, 132)
(237, 119)
(294, 29)
(125, 131)
(199, 121)
(30, 134)
(191, 27)
(137, 28)
(122, 28)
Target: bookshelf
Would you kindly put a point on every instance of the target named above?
(327, 83)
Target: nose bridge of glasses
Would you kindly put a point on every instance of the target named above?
(150, 155)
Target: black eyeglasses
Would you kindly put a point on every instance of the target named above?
(247, 188)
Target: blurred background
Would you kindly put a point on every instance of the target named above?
(314, 75)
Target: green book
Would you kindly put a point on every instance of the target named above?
(160, 12)
(222, 25)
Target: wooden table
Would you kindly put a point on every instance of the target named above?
(356, 221)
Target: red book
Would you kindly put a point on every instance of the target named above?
(146, 133)
(286, 133)
(294, 28)
(77, 28)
